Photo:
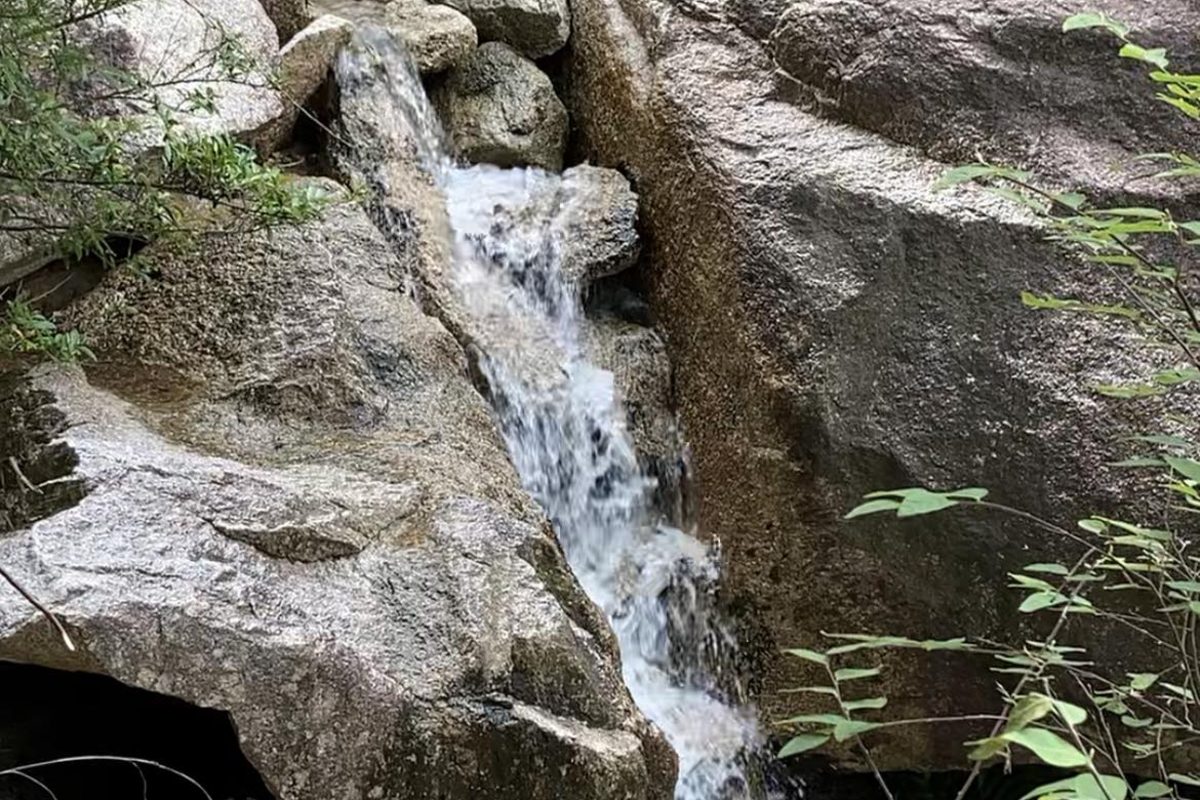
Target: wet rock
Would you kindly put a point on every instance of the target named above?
(836, 328)
(641, 369)
(291, 505)
(436, 36)
(597, 224)
(534, 28)
(290, 16)
(499, 108)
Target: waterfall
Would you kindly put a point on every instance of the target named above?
(565, 427)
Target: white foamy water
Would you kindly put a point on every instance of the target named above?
(566, 432)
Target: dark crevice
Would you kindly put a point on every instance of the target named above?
(53, 714)
(36, 479)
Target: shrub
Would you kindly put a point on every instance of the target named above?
(76, 177)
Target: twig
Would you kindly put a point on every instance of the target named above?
(47, 613)
(25, 482)
(123, 759)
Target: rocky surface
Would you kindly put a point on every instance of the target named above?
(998, 78)
(499, 108)
(436, 36)
(836, 328)
(278, 495)
(534, 28)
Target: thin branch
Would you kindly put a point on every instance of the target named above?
(47, 613)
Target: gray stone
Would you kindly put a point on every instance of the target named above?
(534, 28)
(278, 495)
(436, 36)
(499, 108)
(289, 16)
(597, 224)
(836, 328)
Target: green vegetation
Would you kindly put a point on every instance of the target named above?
(72, 171)
(1116, 735)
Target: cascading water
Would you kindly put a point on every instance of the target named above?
(566, 430)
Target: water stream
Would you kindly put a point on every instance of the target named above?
(566, 431)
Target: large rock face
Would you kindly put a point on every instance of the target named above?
(836, 328)
(277, 494)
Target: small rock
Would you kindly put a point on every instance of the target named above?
(499, 108)
(598, 223)
(290, 16)
(437, 37)
(535, 28)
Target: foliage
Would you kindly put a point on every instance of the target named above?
(91, 153)
(1060, 708)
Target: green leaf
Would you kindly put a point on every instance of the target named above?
(1027, 711)
(1141, 681)
(1156, 56)
(1152, 789)
(1188, 587)
(965, 174)
(814, 719)
(1186, 780)
(1126, 391)
(869, 703)
(1082, 787)
(1130, 721)
(1050, 569)
(1163, 439)
(1041, 600)
(1070, 713)
(1051, 748)
(1086, 787)
(1187, 467)
(1190, 109)
(1094, 20)
(802, 744)
(983, 749)
(1175, 377)
(935, 645)
(826, 690)
(850, 674)
(922, 502)
(808, 655)
(1135, 212)
(1093, 525)
(873, 507)
(1031, 300)
(847, 729)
